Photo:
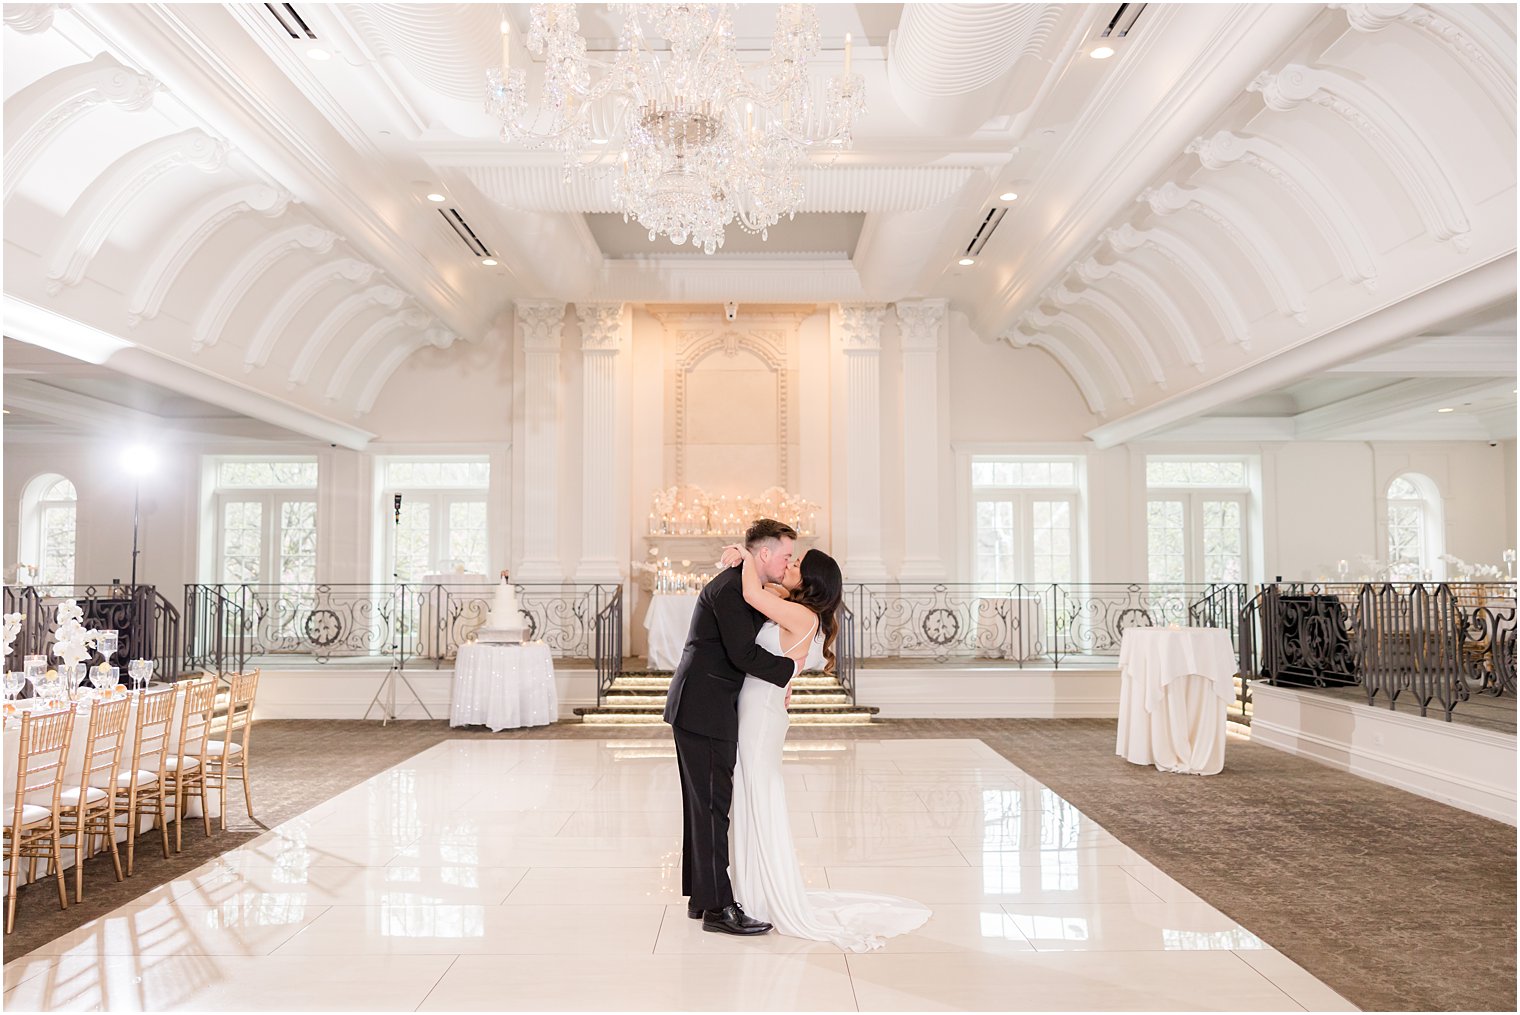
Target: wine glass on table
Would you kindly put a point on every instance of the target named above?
(14, 681)
(36, 670)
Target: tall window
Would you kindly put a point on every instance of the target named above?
(1197, 514)
(442, 525)
(1414, 529)
(1025, 520)
(48, 513)
(266, 520)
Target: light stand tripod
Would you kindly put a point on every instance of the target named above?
(398, 631)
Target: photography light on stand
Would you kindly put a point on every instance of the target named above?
(138, 461)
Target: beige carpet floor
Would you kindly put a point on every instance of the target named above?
(1395, 901)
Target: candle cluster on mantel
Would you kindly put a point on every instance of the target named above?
(689, 511)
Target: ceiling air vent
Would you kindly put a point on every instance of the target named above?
(984, 230)
(1123, 21)
(291, 21)
(459, 225)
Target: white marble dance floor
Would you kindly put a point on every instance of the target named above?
(513, 874)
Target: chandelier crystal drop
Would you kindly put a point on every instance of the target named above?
(694, 138)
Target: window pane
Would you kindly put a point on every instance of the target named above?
(57, 564)
(261, 474)
(981, 473)
(1063, 474)
(1225, 473)
(1223, 560)
(413, 540)
(1403, 489)
(438, 475)
(242, 540)
(467, 535)
(61, 490)
(1165, 538)
(298, 541)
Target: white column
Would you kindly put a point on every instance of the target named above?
(920, 328)
(857, 334)
(540, 326)
(602, 338)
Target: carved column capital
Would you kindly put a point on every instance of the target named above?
(920, 323)
(542, 321)
(860, 326)
(601, 326)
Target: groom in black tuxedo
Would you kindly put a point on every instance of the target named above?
(703, 709)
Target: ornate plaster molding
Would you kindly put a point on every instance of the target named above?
(326, 332)
(1038, 321)
(1468, 45)
(601, 326)
(29, 19)
(250, 268)
(1092, 271)
(766, 344)
(1307, 186)
(276, 323)
(920, 323)
(542, 323)
(860, 326)
(1020, 338)
(1206, 279)
(1129, 328)
(437, 337)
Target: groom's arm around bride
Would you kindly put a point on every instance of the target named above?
(703, 709)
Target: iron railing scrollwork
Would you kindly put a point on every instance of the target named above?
(147, 625)
(609, 638)
(398, 621)
(1434, 644)
(1024, 622)
(846, 652)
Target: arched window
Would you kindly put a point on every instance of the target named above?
(47, 529)
(1416, 535)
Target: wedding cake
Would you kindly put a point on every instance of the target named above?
(504, 624)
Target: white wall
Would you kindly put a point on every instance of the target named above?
(1322, 500)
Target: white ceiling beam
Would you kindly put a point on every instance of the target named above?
(1397, 399)
(1441, 356)
(1482, 286)
(35, 325)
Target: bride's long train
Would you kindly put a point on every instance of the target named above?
(767, 878)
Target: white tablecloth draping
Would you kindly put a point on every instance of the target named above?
(504, 686)
(1175, 686)
(668, 622)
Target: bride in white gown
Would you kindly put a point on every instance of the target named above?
(763, 861)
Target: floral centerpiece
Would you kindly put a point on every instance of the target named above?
(72, 641)
(12, 629)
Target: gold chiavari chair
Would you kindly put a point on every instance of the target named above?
(89, 809)
(33, 831)
(140, 786)
(184, 769)
(227, 754)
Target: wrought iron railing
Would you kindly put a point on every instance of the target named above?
(147, 625)
(1434, 644)
(1022, 622)
(846, 652)
(399, 622)
(609, 641)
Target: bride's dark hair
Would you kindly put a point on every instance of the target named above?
(821, 591)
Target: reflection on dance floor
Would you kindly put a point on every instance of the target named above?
(545, 874)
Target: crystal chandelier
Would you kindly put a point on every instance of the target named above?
(699, 139)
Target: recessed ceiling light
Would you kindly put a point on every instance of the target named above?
(317, 53)
(1448, 409)
(1101, 53)
(437, 197)
(488, 261)
(966, 262)
(1010, 196)
(598, 140)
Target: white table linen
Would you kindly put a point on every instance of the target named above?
(667, 623)
(1175, 686)
(504, 686)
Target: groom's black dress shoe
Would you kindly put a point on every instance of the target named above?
(731, 920)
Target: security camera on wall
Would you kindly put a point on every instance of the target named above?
(731, 310)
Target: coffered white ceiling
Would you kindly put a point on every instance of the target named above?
(1244, 195)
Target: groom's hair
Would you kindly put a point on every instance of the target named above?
(766, 529)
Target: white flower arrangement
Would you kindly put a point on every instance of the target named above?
(1474, 572)
(72, 641)
(12, 629)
